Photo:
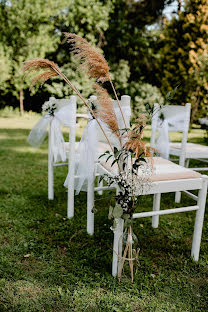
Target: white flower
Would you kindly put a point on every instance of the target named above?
(50, 106)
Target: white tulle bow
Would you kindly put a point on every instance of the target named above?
(175, 123)
(63, 116)
(88, 151)
(86, 157)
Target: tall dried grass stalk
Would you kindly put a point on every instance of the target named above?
(105, 109)
(92, 61)
(52, 71)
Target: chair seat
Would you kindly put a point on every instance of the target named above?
(163, 170)
(192, 150)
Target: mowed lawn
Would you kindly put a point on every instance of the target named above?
(49, 263)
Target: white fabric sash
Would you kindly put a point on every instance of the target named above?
(88, 151)
(64, 116)
(86, 157)
(175, 123)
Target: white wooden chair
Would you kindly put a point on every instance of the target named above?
(70, 148)
(168, 177)
(177, 119)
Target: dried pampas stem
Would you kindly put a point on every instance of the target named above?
(105, 110)
(119, 105)
(135, 142)
(38, 64)
(93, 61)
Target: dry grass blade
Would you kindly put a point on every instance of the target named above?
(135, 142)
(43, 77)
(41, 64)
(92, 60)
(105, 110)
(38, 63)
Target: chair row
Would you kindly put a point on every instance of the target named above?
(168, 177)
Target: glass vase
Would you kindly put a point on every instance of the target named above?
(128, 252)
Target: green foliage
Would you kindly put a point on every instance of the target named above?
(89, 20)
(144, 94)
(27, 28)
(128, 37)
(120, 74)
(173, 54)
(5, 66)
(79, 79)
(9, 111)
(183, 43)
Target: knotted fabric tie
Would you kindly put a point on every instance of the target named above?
(64, 116)
(164, 126)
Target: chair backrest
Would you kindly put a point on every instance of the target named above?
(125, 103)
(65, 115)
(177, 117)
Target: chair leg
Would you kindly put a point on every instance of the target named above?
(117, 234)
(100, 184)
(70, 195)
(187, 163)
(90, 205)
(177, 197)
(182, 162)
(50, 177)
(156, 207)
(199, 221)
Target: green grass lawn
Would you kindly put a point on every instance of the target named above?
(49, 263)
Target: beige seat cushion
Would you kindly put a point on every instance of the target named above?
(163, 170)
(192, 149)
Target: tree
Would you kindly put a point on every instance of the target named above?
(183, 45)
(4, 65)
(27, 28)
(128, 37)
(89, 20)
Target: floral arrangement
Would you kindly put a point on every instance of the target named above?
(50, 106)
(133, 158)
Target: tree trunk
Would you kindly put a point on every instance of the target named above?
(179, 7)
(21, 98)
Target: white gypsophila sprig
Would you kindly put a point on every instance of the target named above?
(143, 180)
(50, 106)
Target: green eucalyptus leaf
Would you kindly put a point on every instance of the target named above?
(101, 156)
(117, 211)
(101, 178)
(115, 160)
(109, 158)
(115, 150)
(126, 216)
(94, 210)
(110, 213)
(114, 224)
(127, 223)
(168, 95)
